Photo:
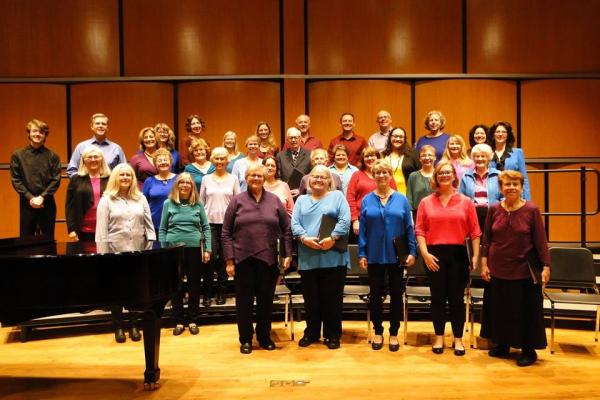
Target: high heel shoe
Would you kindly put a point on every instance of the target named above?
(457, 351)
(394, 346)
(377, 345)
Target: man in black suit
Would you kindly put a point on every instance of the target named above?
(294, 162)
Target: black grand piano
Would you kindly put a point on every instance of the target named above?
(41, 278)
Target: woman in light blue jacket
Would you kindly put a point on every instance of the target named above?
(505, 156)
(481, 184)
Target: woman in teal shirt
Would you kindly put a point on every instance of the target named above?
(184, 220)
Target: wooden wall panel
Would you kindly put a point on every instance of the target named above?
(197, 37)
(129, 107)
(19, 103)
(294, 92)
(559, 116)
(293, 34)
(532, 36)
(10, 204)
(465, 103)
(384, 36)
(230, 105)
(363, 98)
(40, 38)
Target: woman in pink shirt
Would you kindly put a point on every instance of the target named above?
(276, 186)
(444, 219)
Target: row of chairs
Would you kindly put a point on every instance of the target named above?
(573, 281)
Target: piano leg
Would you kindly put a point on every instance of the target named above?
(151, 325)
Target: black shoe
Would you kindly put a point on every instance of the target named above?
(120, 335)
(437, 350)
(178, 330)
(267, 345)
(134, 334)
(306, 341)
(394, 346)
(206, 301)
(499, 351)
(377, 345)
(459, 352)
(246, 348)
(333, 344)
(194, 329)
(220, 300)
(526, 358)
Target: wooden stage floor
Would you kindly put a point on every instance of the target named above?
(86, 363)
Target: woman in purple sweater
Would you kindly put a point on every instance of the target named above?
(514, 242)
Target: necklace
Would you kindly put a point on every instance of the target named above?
(384, 196)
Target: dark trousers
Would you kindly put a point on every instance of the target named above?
(36, 221)
(323, 293)
(377, 274)
(254, 278)
(193, 268)
(116, 313)
(448, 285)
(216, 264)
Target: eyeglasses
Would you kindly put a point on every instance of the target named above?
(319, 178)
(445, 173)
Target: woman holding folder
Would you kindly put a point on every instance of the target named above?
(322, 265)
(386, 243)
(514, 241)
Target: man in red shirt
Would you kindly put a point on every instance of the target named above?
(354, 143)
(307, 141)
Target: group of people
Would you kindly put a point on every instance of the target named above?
(246, 215)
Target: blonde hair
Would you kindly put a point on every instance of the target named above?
(199, 143)
(162, 152)
(98, 115)
(322, 168)
(174, 193)
(112, 187)
(141, 137)
(382, 165)
(483, 148)
(218, 151)
(463, 158)
(434, 180)
(255, 167)
(318, 152)
(442, 119)
(83, 170)
(270, 138)
(231, 133)
(252, 138)
(171, 141)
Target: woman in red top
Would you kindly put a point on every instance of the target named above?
(513, 234)
(444, 219)
(361, 184)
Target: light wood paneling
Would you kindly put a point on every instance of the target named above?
(384, 36)
(230, 105)
(559, 116)
(129, 107)
(191, 37)
(293, 33)
(531, 36)
(363, 98)
(20, 103)
(41, 38)
(465, 103)
(294, 101)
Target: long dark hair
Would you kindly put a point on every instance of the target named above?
(404, 149)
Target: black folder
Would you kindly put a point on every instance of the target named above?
(295, 178)
(535, 266)
(327, 226)
(401, 247)
(469, 246)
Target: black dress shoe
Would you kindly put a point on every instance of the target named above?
(178, 330)
(526, 358)
(120, 335)
(377, 345)
(437, 350)
(306, 341)
(246, 348)
(394, 346)
(220, 300)
(206, 301)
(267, 345)
(499, 351)
(134, 334)
(459, 352)
(333, 344)
(194, 329)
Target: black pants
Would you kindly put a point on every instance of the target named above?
(448, 285)
(323, 293)
(193, 268)
(254, 278)
(117, 317)
(377, 274)
(36, 221)
(216, 264)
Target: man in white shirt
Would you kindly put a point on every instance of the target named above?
(379, 139)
